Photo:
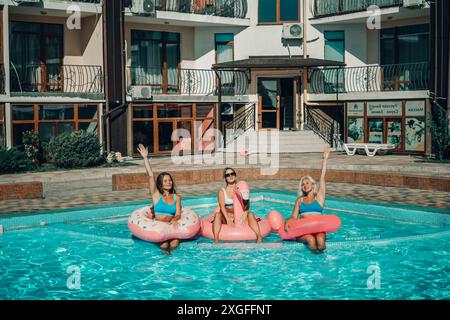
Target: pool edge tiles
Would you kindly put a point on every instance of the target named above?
(396, 212)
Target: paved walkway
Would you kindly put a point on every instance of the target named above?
(414, 197)
(66, 189)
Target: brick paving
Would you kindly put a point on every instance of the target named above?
(414, 197)
(88, 187)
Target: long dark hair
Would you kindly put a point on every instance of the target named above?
(159, 183)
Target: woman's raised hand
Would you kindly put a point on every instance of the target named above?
(142, 150)
(326, 152)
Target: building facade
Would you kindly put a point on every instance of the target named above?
(332, 68)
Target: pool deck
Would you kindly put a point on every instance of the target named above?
(89, 187)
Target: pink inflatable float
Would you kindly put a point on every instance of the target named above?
(240, 231)
(306, 225)
(143, 226)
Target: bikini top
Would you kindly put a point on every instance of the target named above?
(162, 207)
(228, 201)
(310, 208)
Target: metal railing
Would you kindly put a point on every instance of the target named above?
(322, 125)
(56, 78)
(83, 1)
(188, 81)
(241, 123)
(372, 78)
(221, 8)
(326, 8)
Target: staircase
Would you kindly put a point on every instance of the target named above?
(283, 142)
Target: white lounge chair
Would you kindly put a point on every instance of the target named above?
(370, 148)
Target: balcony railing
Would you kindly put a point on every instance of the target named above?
(395, 77)
(188, 81)
(222, 8)
(56, 78)
(326, 8)
(83, 1)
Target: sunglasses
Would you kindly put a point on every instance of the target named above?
(230, 174)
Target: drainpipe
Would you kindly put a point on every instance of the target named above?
(106, 118)
(219, 109)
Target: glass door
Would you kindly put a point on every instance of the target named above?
(269, 103)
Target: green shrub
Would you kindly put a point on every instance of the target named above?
(14, 160)
(31, 142)
(75, 150)
(438, 123)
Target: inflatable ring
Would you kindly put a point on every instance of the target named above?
(240, 231)
(309, 224)
(141, 224)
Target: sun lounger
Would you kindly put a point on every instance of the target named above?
(370, 148)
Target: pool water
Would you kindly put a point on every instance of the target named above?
(380, 252)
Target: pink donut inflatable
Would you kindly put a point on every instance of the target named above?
(240, 231)
(143, 226)
(307, 225)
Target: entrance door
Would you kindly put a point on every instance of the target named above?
(269, 103)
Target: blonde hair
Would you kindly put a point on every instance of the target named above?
(314, 186)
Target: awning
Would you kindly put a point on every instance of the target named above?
(276, 62)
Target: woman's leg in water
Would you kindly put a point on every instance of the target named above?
(174, 243)
(253, 224)
(320, 239)
(164, 245)
(310, 240)
(219, 219)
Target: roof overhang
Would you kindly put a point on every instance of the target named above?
(276, 62)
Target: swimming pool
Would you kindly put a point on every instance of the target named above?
(381, 252)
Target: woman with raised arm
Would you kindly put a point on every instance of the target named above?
(225, 215)
(166, 202)
(310, 201)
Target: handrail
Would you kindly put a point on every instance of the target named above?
(242, 123)
(189, 81)
(327, 8)
(221, 8)
(370, 78)
(322, 125)
(57, 78)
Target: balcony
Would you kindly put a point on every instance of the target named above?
(221, 8)
(327, 8)
(200, 82)
(374, 78)
(57, 80)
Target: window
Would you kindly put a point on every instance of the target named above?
(52, 120)
(155, 57)
(404, 56)
(335, 45)
(36, 53)
(153, 125)
(334, 50)
(278, 11)
(224, 47)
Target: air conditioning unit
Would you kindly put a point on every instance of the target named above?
(143, 7)
(141, 92)
(292, 31)
(413, 3)
(227, 109)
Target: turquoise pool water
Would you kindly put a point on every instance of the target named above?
(380, 252)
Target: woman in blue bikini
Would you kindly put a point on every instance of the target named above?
(311, 201)
(166, 202)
